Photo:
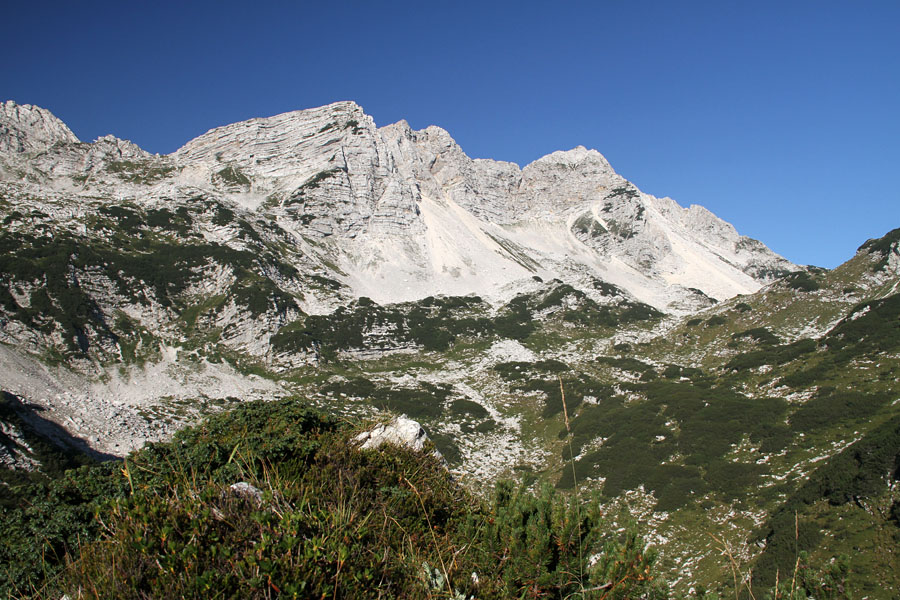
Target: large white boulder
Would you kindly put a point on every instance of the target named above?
(401, 431)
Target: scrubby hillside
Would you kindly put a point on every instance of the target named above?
(274, 500)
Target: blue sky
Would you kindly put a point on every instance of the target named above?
(781, 117)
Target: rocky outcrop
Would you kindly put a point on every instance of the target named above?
(40, 148)
(25, 128)
(15, 453)
(398, 432)
(401, 432)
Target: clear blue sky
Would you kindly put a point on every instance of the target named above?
(781, 117)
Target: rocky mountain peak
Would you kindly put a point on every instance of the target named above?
(28, 128)
(573, 157)
(392, 204)
(578, 162)
(259, 140)
(401, 126)
(118, 149)
(438, 135)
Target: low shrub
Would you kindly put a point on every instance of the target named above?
(801, 281)
(761, 335)
(775, 355)
(829, 407)
(639, 440)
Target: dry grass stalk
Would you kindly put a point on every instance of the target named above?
(562, 395)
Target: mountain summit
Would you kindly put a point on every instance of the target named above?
(396, 214)
(26, 128)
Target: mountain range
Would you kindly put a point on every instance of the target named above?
(531, 318)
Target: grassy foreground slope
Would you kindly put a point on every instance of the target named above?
(331, 520)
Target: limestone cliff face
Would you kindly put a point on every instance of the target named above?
(397, 214)
(26, 128)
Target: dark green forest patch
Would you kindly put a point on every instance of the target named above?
(433, 324)
(860, 472)
(707, 422)
(775, 355)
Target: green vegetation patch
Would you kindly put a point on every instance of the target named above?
(871, 330)
(314, 181)
(433, 324)
(678, 372)
(326, 282)
(625, 191)
(518, 370)
(575, 388)
(141, 172)
(761, 335)
(716, 321)
(606, 288)
(627, 363)
(776, 355)
(830, 406)
(466, 407)
(587, 225)
(260, 295)
(179, 222)
(353, 125)
(699, 423)
(533, 377)
(224, 216)
(57, 300)
(331, 521)
(862, 471)
(144, 267)
(515, 321)
(801, 281)
(232, 175)
(423, 402)
(125, 218)
(136, 343)
(574, 306)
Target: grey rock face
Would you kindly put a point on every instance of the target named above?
(397, 214)
(36, 145)
(27, 128)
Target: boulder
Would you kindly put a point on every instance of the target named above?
(401, 431)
